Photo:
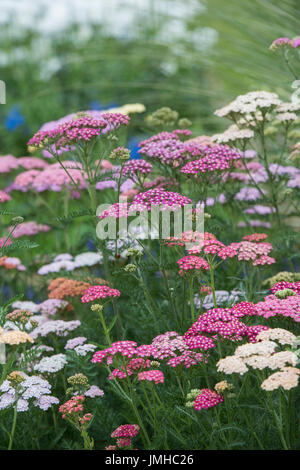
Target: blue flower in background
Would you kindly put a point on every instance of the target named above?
(90, 244)
(133, 145)
(6, 292)
(14, 118)
(29, 293)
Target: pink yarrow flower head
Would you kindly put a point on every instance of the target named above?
(294, 286)
(126, 430)
(217, 323)
(217, 158)
(264, 260)
(29, 229)
(255, 237)
(166, 147)
(124, 442)
(135, 168)
(192, 264)
(211, 247)
(155, 376)
(82, 128)
(4, 197)
(72, 407)
(296, 42)
(8, 163)
(255, 252)
(207, 399)
(99, 293)
(272, 306)
(281, 42)
(30, 163)
(165, 200)
(124, 348)
(159, 197)
(172, 347)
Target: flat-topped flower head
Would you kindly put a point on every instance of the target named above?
(126, 430)
(281, 42)
(255, 237)
(155, 376)
(217, 158)
(82, 128)
(159, 197)
(15, 337)
(257, 253)
(272, 306)
(207, 399)
(8, 163)
(134, 168)
(166, 147)
(284, 286)
(193, 264)
(252, 104)
(99, 292)
(4, 197)
(296, 42)
(144, 202)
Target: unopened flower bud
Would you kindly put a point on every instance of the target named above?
(17, 220)
(97, 308)
(130, 268)
(284, 293)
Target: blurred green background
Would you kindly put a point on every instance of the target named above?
(64, 56)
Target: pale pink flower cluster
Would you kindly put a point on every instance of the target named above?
(155, 376)
(173, 347)
(4, 197)
(29, 229)
(8, 163)
(255, 252)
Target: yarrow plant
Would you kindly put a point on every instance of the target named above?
(186, 329)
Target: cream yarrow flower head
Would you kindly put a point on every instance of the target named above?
(15, 337)
(223, 386)
(287, 378)
(277, 334)
(15, 378)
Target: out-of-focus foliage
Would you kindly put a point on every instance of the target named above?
(222, 49)
(241, 60)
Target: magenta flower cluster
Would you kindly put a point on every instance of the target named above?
(216, 158)
(207, 399)
(166, 147)
(99, 293)
(81, 129)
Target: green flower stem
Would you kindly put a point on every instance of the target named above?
(277, 422)
(192, 300)
(12, 432)
(212, 284)
(105, 329)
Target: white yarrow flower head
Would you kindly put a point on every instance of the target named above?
(232, 134)
(277, 334)
(57, 327)
(32, 388)
(249, 103)
(51, 364)
(232, 365)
